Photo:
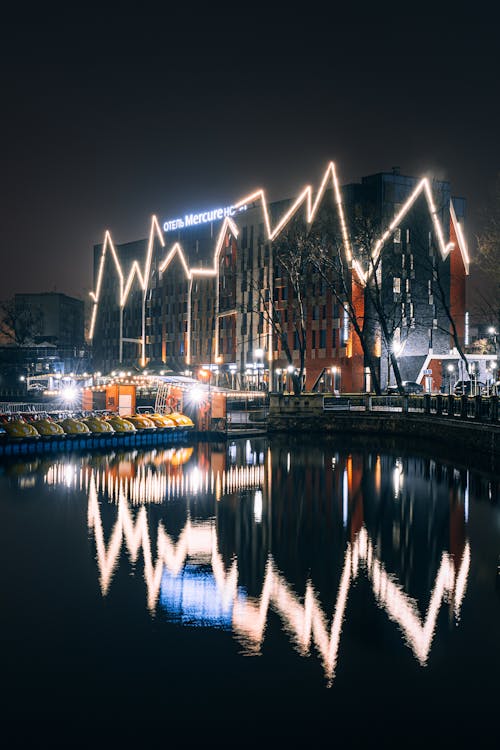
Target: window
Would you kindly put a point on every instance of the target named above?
(334, 338)
(322, 339)
(397, 235)
(396, 285)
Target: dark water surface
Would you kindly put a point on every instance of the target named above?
(284, 593)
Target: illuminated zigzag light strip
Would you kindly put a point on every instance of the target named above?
(135, 269)
(305, 623)
(306, 198)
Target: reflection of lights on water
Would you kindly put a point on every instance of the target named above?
(197, 548)
(26, 482)
(397, 478)
(345, 498)
(288, 462)
(66, 474)
(304, 620)
(248, 452)
(195, 480)
(176, 572)
(257, 506)
(194, 598)
(69, 475)
(466, 498)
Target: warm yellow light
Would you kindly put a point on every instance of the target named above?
(305, 198)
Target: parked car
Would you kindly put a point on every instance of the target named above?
(409, 387)
(468, 387)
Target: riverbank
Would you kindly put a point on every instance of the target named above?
(307, 415)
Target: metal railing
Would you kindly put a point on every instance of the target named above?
(468, 408)
(12, 407)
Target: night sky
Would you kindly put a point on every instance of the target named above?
(107, 119)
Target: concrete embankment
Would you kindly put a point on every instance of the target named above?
(306, 415)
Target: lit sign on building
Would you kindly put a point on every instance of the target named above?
(204, 217)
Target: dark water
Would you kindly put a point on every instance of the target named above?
(254, 594)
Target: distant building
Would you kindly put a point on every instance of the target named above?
(49, 338)
(60, 319)
(195, 293)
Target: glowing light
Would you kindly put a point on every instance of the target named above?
(257, 506)
(303, 619)
(305, 198)
(69, 394)
(460, 237)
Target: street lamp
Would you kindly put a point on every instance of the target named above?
(493, 333)
(232, 370)
(336, 372)
(473, 379)
(259, 353)
(450, 369)
(493, 369)
(278, 378)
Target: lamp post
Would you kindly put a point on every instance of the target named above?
(259, 353)
(493, 333)
(473, 378)
(336, 382)
(450, 369)
(278, 379)
(493, 369)
(232, 370)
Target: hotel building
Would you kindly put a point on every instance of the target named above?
(199, 292)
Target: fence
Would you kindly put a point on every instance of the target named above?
(470, 408)
(11, 407)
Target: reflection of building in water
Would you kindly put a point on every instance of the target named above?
(193, 597)
(412, 509)
(221, 561)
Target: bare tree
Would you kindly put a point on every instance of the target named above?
(328, 256)
(442, 295)
(19, 324)
(488, 254)
(435, 274)
(292, 263)
(378, 317)
(383, 310)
